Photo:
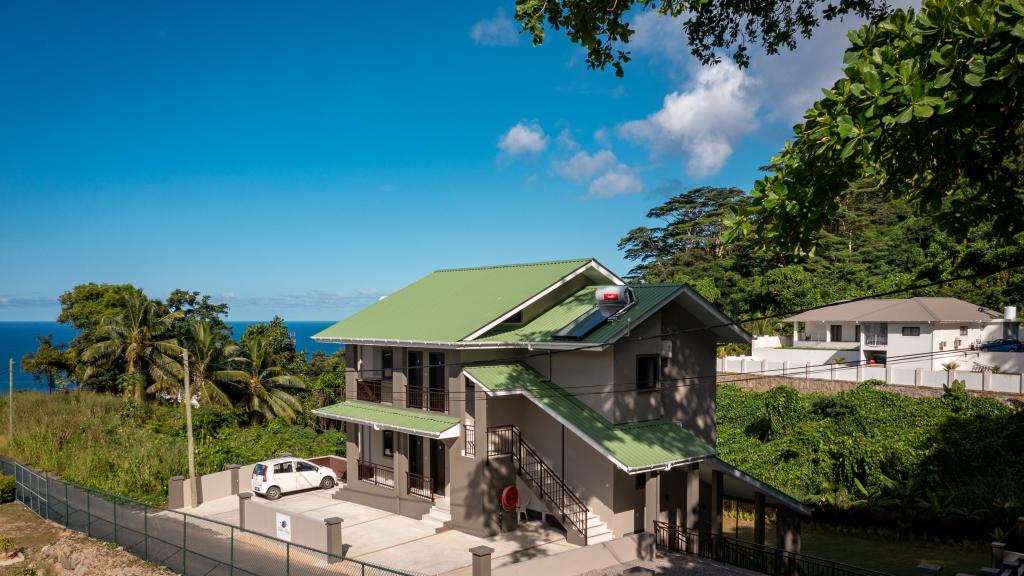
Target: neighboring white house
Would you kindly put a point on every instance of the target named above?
(922, 332)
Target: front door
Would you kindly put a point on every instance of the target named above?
(437, 383)
(414, 389)
(438, 456)
(416, 455)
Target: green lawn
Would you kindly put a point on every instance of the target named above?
(881, 553)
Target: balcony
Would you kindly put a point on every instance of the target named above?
(421, 486)
(373, 391)
(422, 398)
(469, 432)
(376, 474)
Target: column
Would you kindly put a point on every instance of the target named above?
(233, 468)
(787, 534)
(481, 560)
(176, 492)
(796, 332)
(716, 501)
(335, 549)
(692, 497)
(243, 500)
(651, 500)
(759, 517)
(401, 464)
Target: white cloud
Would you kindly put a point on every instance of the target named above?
(523, 138)
(497, 31)
(584, 166)
(702, 122)
(602, 136)
(659, 36)
(616, 182)
(566, 141)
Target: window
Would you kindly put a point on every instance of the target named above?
(963, 330)
(647, 372)
(389, 443)
(911, 330)
(856, 333)
(836, 331)
(387, 363)
(283, 468)
(301, 466)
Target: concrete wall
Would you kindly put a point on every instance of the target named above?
(1007, 390)
(305, 531)
(587, 372)
(688, 393)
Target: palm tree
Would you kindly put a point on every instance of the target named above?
(140, 336)
(264, 381)
(205, 352)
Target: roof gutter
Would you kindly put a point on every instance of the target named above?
(478, 345)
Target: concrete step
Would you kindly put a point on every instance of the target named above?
(437, 518)
(600, 537)
(593, 522)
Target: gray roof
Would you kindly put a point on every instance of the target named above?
(919, 309)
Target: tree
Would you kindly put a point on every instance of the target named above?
(139, 336)
(929, 111)
(264, 381)
(195, 306)
(602, 26)
(276, 335)
(207, 350)
(55, 362)
(84, 307)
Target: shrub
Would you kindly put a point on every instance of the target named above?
(6, 489)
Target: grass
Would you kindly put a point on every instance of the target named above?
(104, 442)
(880, 553)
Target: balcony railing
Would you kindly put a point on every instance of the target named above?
(373, 391)
(421, 397)
(376, 474)
(421, 486)
(469, 434)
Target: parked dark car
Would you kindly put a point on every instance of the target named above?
(1003, 345)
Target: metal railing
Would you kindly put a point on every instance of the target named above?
(469, 434)
(750, 555)
(373, 391)
(507, 441)
(376, 474)
(422, 486)
(184, 543)
(422, 397)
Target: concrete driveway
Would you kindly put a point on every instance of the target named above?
(394, 541)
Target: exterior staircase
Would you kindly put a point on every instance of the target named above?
(580, 523)
(440, 515)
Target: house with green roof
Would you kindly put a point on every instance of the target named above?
(479, 396)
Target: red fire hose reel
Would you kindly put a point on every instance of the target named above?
(509, 498)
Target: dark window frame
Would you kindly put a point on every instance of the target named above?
(964, 330)
(910, 331)
(642, 384)
(388, 441)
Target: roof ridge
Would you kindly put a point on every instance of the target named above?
(516, 265)
(922, 304)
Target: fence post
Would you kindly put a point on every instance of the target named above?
(47, 504)
(986, 379)
(231, 562)
(334, 544)
(115, 520)
(481, 560)
(234, 478)
(88, 514)
(287, 558)
(67, 508)
(243, 499)
(184, 543)
(918, 377)
(145, 530)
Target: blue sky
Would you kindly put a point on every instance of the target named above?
(302, 160)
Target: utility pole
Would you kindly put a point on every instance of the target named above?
(10, 399)
(188, 432)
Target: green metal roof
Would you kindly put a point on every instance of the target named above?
(634, 446)
(450, 304)
(418, 422)
(543, 327)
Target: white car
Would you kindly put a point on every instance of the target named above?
(272, 478)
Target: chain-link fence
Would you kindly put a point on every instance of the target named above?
(184, 543)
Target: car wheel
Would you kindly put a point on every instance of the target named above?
(327, 483)
(273, 493)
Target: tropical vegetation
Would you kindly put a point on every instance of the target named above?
(944, 468)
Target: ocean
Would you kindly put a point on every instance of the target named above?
(19, 338)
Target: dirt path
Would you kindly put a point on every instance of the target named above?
(48, 549)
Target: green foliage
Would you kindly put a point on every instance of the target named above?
(55, 362)
(6, 488)
(604, 28)
(128, 448)
(933, 466)
(873, 244)
(6, 542)
(928, 111)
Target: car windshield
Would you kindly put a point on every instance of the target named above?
(259, 470)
